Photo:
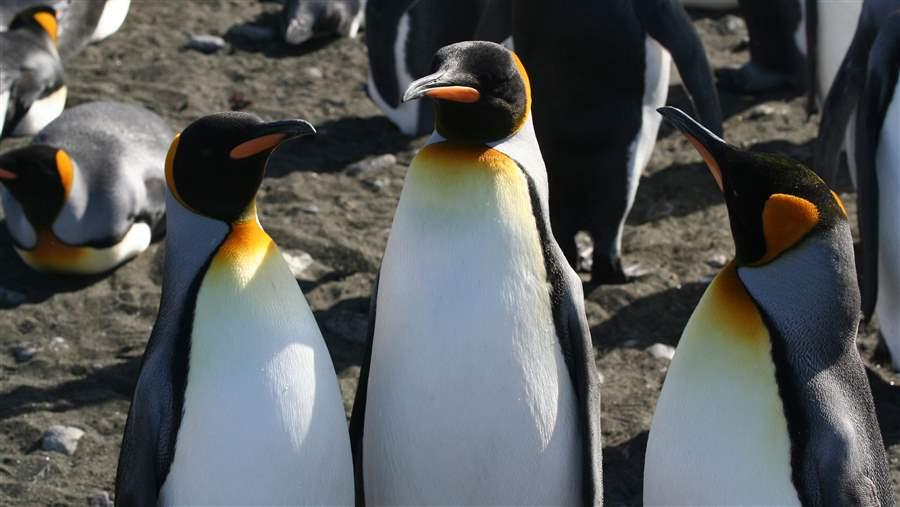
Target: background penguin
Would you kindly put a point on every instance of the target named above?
(479, 385)
(81, 22)
(717, 5)
(403, 35)
(766, 401)
(878, 204)
(87, 194)
(303, 20)
(236, 402)
(32, 92)
(595, 109)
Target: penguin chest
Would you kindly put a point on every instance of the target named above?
(52, 255)
(887, 166)
(469, 398)
(263, 422)
(41, 113)
(719, 435)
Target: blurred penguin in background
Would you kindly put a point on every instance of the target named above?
(403, 35)
(599, 70)
(303, 20)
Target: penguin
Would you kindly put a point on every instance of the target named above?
(766, 401)
(403, 35)
(236, 402)
(32, 89)
(88, 193)
(595, 109)
(778, 41)
(878, 163)
(302, 20)
(714, 5)
(479, 385)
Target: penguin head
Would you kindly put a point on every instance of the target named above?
(39, 19)
(215, 166)
(480, 90)
(773, 202)
(39, 178)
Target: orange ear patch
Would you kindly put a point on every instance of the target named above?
(48, 23)
(7, 175)
(840, 202)
(711, 163)
(255, 146)
(786, 220)
(464, 94)
(170, 171)
(65, 169)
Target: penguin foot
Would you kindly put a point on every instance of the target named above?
(753, 79)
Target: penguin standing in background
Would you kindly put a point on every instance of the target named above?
(595, 108)
(302, 20)
(479, 385)
(766, 401)
(403, 35)
(236, 402)
(878, 184)
(88, 194)
(32, 92)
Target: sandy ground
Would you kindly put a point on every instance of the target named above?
(316, 200)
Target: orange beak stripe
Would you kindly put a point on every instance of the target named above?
(463, 94)
(48, 23)
(711, 163)
(7, 175)
(255, 146)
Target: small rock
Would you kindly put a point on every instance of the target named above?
(371, 164)
(24, 353)
(312, 209)
(735, 23)
(765, 111)
(57, 343)
(206, 43)
(662, 351)
(10, 297)
(253, 33)
(237, 101)
(297, 261)
(62, 439)
(375, 185)
(313, 73)
(101, 499)
(717, 261)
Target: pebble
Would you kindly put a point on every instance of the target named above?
(24, 353)
(206, 43)
(254, 33)
(101, 499)
(312, 209)
(735, 23)
(662, 351)
(376, 185)
(717, 261)
(371, 164)
(765, 111)
(62, 439)
(57, 344)
(10, 297)
(313, 73)
(297, 261)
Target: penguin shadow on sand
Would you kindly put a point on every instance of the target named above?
(20, 284)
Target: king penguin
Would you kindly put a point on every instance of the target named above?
(88, 194)
(766, 401)
(595, 108)
(479, 385)
(32, 91)
(878, 184)
(302, 20)
(236, 402)
(403, 35)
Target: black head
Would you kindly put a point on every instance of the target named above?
(39, 177)
(480, 89)
(773, 201)
(39, 19)
(216, 165)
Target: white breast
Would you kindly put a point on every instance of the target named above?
(114, 14)
(469, 399)
(263, 422)
(837, 21)
(887, 164)
(406, 115)
(41, 112)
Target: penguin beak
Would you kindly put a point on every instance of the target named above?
(7, 175)
(266, 136)
(705, 142)
(437, 86)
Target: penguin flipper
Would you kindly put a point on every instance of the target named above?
(669, 24)
(881, 81)
(358, 416)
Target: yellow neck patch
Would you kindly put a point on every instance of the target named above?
(786, 220)
(244, 250)
(48, 23)
(734, 310)
(66, 170)
(49, 253)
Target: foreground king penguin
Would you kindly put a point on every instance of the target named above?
(766, 401)
(88, 193)
(479, 385)
(236, 402)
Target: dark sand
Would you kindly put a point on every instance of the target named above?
(310, 204)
